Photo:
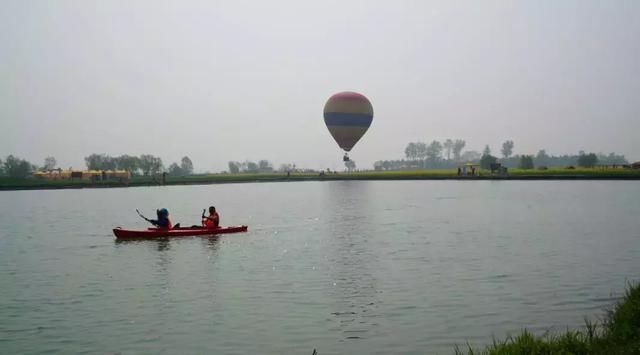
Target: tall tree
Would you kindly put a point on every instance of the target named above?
(251, 167)
(448, 146)
(487, 150)
(93, 161)
(410, 151)
(507, 149)
(542, 154)
(234, 167)
(1, 168)
(264, 165)
(175, 170)
(487, 160)
(186, 165)
(17, 168)
(150, 165)
(587, 160)
(458, 145)
(542, 158)
(100, 162)
(526, 162)
(49, 163)
(420, 150)
(470, 156)
(611, 159)
(128, 163)
(434, 151)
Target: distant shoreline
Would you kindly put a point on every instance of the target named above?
(356, 176)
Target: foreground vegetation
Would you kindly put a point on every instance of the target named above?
(618, 333)
(8, 183)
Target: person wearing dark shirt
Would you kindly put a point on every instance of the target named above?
(163, 220)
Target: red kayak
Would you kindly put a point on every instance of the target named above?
(175, 232)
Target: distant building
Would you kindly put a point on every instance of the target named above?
(636, 165)
(93, 175)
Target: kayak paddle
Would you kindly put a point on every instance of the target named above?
(143, 217)
(177, 225)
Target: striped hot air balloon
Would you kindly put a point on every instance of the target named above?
(348, 115)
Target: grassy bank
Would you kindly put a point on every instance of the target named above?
(422, 174)
(618, 333)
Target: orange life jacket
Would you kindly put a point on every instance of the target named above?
(212, 221)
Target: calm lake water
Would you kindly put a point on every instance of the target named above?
(343, 267)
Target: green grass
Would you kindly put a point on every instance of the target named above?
(13, 182)
(576, 171)
(552, 173)
(618, 333)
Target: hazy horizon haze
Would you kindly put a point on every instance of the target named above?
(237, 80)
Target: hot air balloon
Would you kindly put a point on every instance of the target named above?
(348, 115)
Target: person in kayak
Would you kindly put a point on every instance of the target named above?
(212, 220)
(163, 220)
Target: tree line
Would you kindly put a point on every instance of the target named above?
(262, 166)
(434, 150)
(15, 167)
(144, 164)
(450, 154)
(435, 155)
(543, 160)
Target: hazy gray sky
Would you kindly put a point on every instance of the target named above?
(236, 80)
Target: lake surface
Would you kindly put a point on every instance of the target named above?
(346, 267)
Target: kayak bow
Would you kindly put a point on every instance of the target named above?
(175, 232)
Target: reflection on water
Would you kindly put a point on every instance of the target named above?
(164, 244)
(354, 293)
(212, 242)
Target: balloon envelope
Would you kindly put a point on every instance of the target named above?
(348, 115)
